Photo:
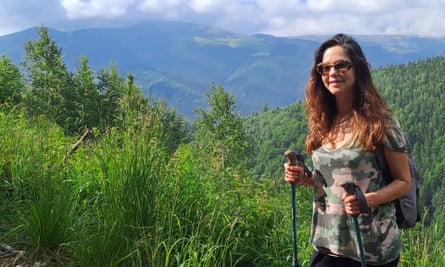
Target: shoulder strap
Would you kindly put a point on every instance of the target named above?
(381, 162)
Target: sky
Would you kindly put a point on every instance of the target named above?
(284, 18)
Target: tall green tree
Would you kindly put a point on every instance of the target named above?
(48, 78)
(111, 88)
(87, 97)
(134, 109)
(11, 82)
(133, 104)
(220, 133)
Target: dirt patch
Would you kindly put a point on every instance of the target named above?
(10, 257)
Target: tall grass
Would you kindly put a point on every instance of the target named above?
(125, 199)
(124, 203)
(425, 246)
(33, 160)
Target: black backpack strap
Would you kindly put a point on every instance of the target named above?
(381, 162)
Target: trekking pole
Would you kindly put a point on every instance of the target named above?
(351, 188)
(294, 229)
(294, 160)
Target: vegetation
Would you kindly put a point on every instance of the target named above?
(93, 173)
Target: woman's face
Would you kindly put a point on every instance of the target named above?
(337, 72)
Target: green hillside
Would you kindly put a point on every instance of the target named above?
(416, 92)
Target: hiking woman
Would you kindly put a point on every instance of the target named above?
(347, 120)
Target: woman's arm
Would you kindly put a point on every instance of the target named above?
(399, 168)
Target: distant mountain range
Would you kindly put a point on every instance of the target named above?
(178, 61)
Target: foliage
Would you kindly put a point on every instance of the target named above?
(33, 184)
(80, 100)
(123, 200)
(11, 83)
(425, 241)
(48, 78)
(220, 133)
(86, 101)
(273, 132)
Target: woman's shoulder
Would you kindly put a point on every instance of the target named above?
(394, 138)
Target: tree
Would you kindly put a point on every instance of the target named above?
(49, 81)
(111, 87)
(87, 97)
(11, 82)
(220, 134)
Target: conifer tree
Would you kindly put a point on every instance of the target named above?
(87, 104)
(220, 133)
(11, 82)
(49, 81)
(111, 88)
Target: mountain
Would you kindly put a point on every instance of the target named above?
(178, 61)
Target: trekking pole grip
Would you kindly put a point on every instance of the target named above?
(296, 159)
(292, 157)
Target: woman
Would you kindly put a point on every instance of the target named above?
(347, 120)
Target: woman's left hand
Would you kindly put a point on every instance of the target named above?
(352, 204)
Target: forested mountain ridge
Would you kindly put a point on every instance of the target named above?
(177, 61)
(415, 91)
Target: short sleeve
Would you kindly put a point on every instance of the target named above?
(394, 138)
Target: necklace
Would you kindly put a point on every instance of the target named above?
(345, 119)
(341, 130)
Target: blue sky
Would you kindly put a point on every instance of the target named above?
(276, 17)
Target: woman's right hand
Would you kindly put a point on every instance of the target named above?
(293, 174)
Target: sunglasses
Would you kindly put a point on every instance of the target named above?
(339, 66)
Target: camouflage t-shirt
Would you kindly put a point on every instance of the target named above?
(333, 231)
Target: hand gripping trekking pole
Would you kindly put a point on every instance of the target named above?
(352, 188)
(294, 160)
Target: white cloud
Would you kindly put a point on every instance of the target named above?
(276, 17)
(207, 6)
(282, 8)
(91, 8)
(160, 5)
(357, 17)
(244, 15)
(357, 6)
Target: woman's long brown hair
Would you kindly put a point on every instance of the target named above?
(370, 113)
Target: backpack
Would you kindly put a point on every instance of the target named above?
(407, 206)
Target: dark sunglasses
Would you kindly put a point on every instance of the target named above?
(339, 66)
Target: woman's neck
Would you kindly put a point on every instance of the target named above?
(344, 107)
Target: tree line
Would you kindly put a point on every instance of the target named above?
(76, 101)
